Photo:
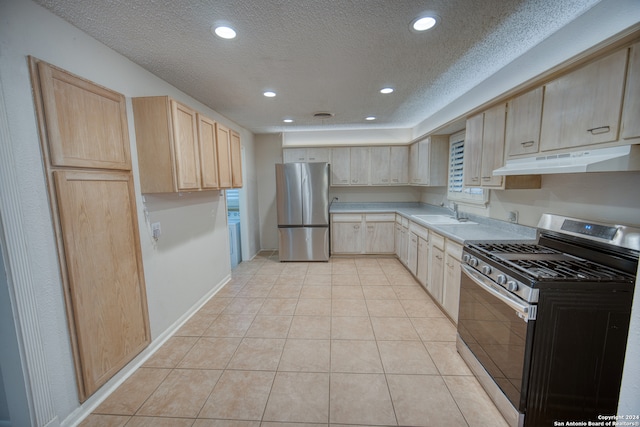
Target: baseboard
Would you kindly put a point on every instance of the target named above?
(84, 410)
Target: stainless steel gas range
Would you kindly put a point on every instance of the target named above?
(543, 324)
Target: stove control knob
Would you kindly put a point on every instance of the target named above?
(486, 270)
(473, 262)
(502, 279)
(512, 286)
(466, 258)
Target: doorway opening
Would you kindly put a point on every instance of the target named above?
(233, 220)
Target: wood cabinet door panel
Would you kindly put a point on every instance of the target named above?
(359, 168)
(380, 238)
(473, 151)
(340, 166)
(493, 145)
(223, 145)
(86, 123)
(524, 115)
(451, 289)
(399, 165)
(380, 162)
(436, 273)
(106, 282)
(584, 107)
(346, 237)
(631, 110)
(208, 154)
(318, 155)
(236, 160)
(185, 137)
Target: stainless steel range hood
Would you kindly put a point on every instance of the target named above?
(613, 159)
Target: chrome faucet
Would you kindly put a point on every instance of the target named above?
(456, 214)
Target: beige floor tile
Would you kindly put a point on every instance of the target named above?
(385, 308)
(434, 328)
(310, 327)
(210, 353)
(423, 400)
(345, 280)
(372, 276)
(344, 268)
(285, 291)
(171, 352)
(230, 325)
(270, 327)
(324, 268)
(255, 354)
(127, 398)
(244, 306)
(196, 325)
(278, 307)
(349, 307)
(402, 279)
(366, 262)
(355, 357)
(414, 292)
(317, 279)
(351, 328)
(239, 395)
(261, 278)
(315, 292)
(447, 359)
(299, 397)
(225, 423)
(474, 402)
(254, 291)
(293, 279)
(305, 356)
(295, 269)
(277, 424)
(229, 290)
(360, 399)
(160, 422)
(379, 292)
(270, 268)
(97, 420)
(406, 357)
(421, 308)
(313, 307)
(393, 328)
(181, 394)
(346, 292)
(215, 305)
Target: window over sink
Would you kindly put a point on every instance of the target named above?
(456, 190)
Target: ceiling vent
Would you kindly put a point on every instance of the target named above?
(322, 115)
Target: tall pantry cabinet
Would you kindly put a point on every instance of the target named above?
(85, 147)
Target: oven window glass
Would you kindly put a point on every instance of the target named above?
(497, 337)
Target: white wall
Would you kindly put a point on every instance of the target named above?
(269, 151)
(191, 257)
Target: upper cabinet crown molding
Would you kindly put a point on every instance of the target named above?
(181, 150)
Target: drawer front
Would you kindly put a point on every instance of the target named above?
(454, 249)
(437, 240)
(419, 230)
(346, 217)
(380, 217)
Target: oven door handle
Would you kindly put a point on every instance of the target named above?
(525, 311)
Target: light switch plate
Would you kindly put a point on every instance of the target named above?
(156, 230)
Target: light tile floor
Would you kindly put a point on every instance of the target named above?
(355, 341)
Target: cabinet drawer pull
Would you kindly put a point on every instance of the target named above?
(475, 178)
(356, 227)
(370, 227)
(438, 257)
(527, 143)
(486, 178)
(599, 130)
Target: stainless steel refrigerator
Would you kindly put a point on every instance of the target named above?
(302, 198)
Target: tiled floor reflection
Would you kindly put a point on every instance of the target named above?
(355, 341)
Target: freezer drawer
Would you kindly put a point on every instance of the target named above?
(304, 244)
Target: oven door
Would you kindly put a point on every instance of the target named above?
(497, 327)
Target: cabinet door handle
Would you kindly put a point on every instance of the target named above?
(356, 227)
(475, 178)
(598, 130)
(486, 178)
(527, 143)
(438, 257)
(370, 227)
(312, 158)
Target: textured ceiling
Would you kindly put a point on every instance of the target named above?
(332, 55)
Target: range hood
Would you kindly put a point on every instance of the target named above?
(613, 159)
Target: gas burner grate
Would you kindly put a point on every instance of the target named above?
(514, 248)
(580, 270)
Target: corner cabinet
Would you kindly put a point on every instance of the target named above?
(524, 115)
(429, 161)
(181, 150)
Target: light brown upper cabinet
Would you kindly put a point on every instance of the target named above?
(236, 160)
(208, 154)
(473, 151)
(223, 140)
(85, 148)
(493, 145)
(631, 110)
(584, 107)
(428, 163)
(524, 115)
(86, 123)
(180, 149)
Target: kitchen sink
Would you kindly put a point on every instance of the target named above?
(442, 220)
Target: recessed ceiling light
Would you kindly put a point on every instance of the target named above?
(386, 90)
(288, 120)
(224, 32)
(370, 118)
(269, 94)
(424, 23)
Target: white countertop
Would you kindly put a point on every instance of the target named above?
(485, 229)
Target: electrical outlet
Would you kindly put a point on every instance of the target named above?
(512, 216)
(156, 231)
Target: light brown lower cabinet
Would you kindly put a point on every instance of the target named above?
(94, 213)
(104, 268)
